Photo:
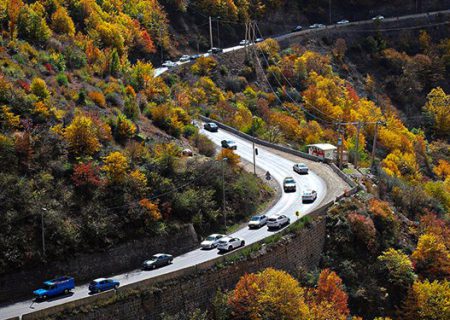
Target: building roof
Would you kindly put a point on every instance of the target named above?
(323, 146)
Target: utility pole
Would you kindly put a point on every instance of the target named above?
(329, 9)
(43, 230)
(210, 32)
(358, 128)
(374, 145)
(224, 212)
(218, 34)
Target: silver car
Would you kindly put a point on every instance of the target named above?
(378, 18)
(345, 21)
(230, 243)
(257, 221)
(277, 221)
(289, 185)
(185, 58)
(211, 241)
(169, 64)
(309, 195)
(301, 168)
(228, 144)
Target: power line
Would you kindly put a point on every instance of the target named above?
(287, 93)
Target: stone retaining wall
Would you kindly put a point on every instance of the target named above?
(85, 267)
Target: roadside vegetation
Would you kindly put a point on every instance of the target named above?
(90, 140)
(93, 143)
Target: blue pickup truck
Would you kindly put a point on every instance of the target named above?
(55, 287)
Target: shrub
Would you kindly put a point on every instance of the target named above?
(62, 80)
(98, 98)
(204, 145)
(115, 167)
(203, 66)
(124, 127)
(39, 88)
(189, 130)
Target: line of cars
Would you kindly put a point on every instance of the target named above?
(65, 284)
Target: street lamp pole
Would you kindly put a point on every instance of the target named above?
(223, 192)
(43, 230)
(254, 158)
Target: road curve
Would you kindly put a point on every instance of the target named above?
(288, 204)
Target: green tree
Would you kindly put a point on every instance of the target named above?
(31, 26)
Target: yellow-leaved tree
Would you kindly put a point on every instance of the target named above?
(115, 166)
(81, 135)
(438, 106)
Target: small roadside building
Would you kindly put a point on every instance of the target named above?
(323, 150)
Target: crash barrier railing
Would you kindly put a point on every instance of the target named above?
(278, 147)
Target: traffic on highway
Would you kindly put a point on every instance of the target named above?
(168, 64)
(273, 220)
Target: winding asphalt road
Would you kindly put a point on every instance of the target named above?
(288, 204)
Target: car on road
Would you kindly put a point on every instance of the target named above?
(229, 144)
(157, 260)
(257, 222)
(345, 21)
(301, 168)
(211, 126)
(215, 50)
(103, 284)
(257, 40)
(289, 184)
(195, 56)
(184, 58)
(317, 26)
(309, 195)
(211, 241)
(277, 221)
(245, 43)
(230, 243)
(55, 287)
(378, 18)
(169, 64)
(297, 28)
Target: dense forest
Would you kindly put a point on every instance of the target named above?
(91, 140)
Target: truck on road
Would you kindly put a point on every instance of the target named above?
(55, 287)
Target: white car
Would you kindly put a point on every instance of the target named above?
(345, 21)
(309, 195)
(277, 221)
(257, 221)
(301, 168)
(244, 43)
(230, 243)
(317, 26)
(169, 64)
(184, 58)
(378, 18)
(211, 241)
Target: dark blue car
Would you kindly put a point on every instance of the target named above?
(103, 284)
(55, 287)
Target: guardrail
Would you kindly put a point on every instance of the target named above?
(294, 152)
(262, 142)
(129, 289)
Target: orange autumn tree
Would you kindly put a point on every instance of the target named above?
(329, 300)
(232, 158)
(270, 294)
